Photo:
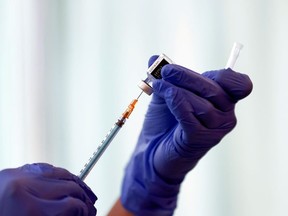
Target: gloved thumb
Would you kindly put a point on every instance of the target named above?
(152, 60)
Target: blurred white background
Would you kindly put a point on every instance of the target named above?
(69, 68)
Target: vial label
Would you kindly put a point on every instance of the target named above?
(156, 72)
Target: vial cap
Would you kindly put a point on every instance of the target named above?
(145, 87)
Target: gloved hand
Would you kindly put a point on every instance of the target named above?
(188, 115)
(41, 189)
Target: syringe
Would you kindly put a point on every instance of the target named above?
(153, 72)
(108, 139)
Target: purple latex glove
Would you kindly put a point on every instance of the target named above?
(42, 189)
(188, 115)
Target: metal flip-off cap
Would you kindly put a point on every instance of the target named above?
(145, 87)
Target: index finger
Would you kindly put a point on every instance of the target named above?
(198, 84)
(50, 172)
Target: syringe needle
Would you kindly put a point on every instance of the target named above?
(139, 95)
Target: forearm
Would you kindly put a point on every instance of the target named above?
(119, 210)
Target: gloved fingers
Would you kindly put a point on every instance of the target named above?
(47, 171)
(86, 188)
(161, 114)
(32, 189)
(156, 100)
(60, 179)
(55, 189)
(67, 206)
(188, 108)
(63, 174)
(198, 84)
(237, 85)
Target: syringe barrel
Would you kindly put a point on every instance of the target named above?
(107, 140)
(100, 150)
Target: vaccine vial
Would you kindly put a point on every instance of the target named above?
(154, 72)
